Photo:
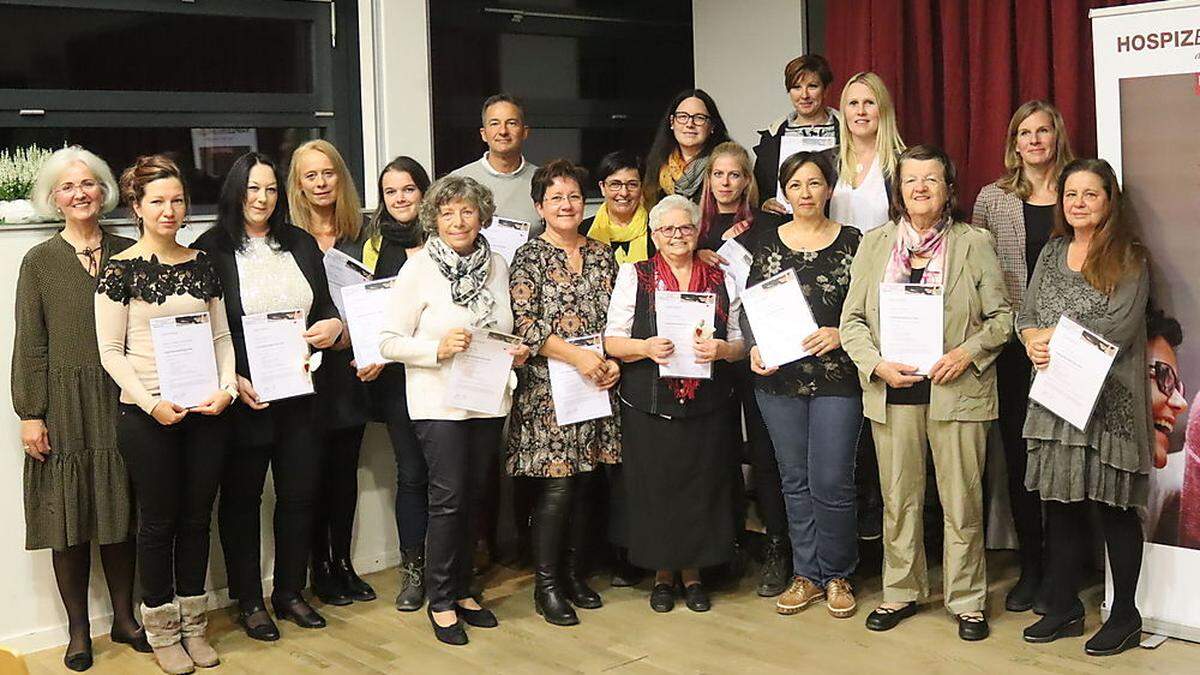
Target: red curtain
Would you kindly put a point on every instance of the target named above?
(957, 69)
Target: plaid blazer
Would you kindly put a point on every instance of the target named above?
(1003, 214)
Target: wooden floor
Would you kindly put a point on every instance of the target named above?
(742, 634)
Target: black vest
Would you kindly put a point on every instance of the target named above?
(642, 388)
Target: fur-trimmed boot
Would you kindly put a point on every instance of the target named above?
(193, 615)
(163, 633)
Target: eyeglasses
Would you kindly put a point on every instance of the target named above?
(672, 231)
(559, 200)
(699, 119)
(70, 188)
(629, 185)
(1166, 379)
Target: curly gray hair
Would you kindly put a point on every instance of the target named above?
(449, 188)
(672, 203)
(42, 194)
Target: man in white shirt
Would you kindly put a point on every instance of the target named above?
(503, 169)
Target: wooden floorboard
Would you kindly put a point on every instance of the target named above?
(741, 634)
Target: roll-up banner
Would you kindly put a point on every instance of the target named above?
(1147, 70)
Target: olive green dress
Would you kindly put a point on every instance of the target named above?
(81, 492)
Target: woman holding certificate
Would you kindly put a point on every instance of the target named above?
(450, 306)
(1093, 271)
(174, 449)
(268, 267)
(672, 325)
(1018, 209)
(323, 201)
(924, 319)
(76, 484)
(560, 285)
(813, 406)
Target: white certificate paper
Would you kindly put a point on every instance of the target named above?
(780, 317)
(682, 317)
(365, 312)
(577, 398)
(738, 268)
(910, 324)
(277, 354)
(1079, 365)
(186, 361)
(341, 271)
(479, 375)
(790, 145)
(506, 235)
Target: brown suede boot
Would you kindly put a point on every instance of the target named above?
(193, 613)
(162, 632)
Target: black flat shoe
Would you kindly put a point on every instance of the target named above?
(886, 619)
(295, 609)
(328, 586)
(79, 661)
(257, 623)
(662, 597)
(1114, 638)
(1050, 628)
(479, 618)
(452, 635)
(357, 589)
(696, 598)
(137, 641)
(972, 628)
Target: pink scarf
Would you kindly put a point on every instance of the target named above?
(930, 245)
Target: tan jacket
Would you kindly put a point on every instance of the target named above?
(977, 317)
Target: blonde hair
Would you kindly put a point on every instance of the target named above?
(888, 144)
(42, 194)
(1014, 180)
(736, 151)
(347, 215)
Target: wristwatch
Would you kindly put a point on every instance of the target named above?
(232, 390)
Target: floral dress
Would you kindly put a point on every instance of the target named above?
(824, 278)
(548, 298)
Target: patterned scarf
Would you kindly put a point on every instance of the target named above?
(677, 177)
(909, 243)
(705, 279)
(629, 242)
(467, 276)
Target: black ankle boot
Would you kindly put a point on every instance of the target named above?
(776, 570)
(1121, 631)
(549, 599)
(412, 580)
(326, 585)
(580, 594)
(356, 588)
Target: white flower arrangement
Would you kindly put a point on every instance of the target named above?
(18, 171)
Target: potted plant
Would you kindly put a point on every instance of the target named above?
(18, 170)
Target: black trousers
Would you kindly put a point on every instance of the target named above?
(175, 472)
(333, 525)
(458, 454)
(1013, 372)
(412, 483)
(1068, 549)
(294, 457)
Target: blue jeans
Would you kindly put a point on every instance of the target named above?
(816, 464)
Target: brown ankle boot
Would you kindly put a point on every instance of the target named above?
(193, 614)
(162, 632)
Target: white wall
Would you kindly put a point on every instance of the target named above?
(740, 52)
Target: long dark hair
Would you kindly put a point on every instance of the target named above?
(231, 204)
(404, 164)
(664, 141)
(1115, 251)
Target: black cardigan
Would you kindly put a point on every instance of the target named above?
(253, 427)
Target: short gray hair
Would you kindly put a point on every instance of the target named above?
(448, 188)
(672, 203)
(42, 194)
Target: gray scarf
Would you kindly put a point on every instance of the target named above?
(467, 276)
(692, 180)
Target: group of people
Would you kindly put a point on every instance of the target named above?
(834, 196)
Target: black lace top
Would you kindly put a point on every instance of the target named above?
(153, 281)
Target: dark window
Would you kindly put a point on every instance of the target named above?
(594, 75)
(202, 81)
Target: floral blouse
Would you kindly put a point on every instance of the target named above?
(548, 298)
(824, 278)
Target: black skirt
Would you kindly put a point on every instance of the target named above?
(678, 476)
